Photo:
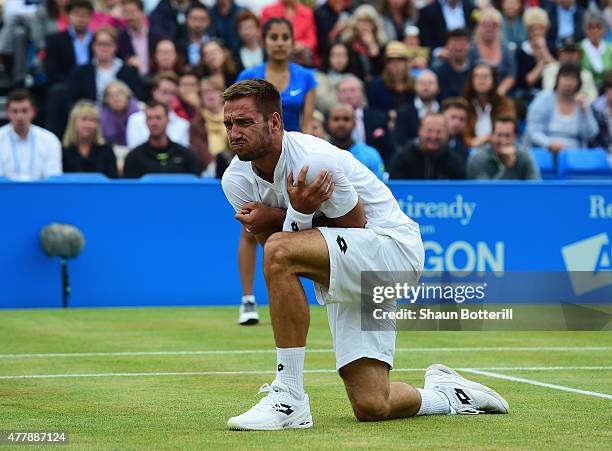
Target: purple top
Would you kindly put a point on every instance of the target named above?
(114, 125)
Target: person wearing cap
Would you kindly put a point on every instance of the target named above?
(569, 51)
(419, 56)
(394, 87)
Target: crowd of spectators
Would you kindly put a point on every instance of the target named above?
(415, 89)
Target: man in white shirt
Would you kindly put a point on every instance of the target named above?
(293, 182)
(165, 90)
(27, 152)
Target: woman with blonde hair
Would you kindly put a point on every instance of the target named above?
(365, 35)
(489, 47)
(84, 148)
(532, 55)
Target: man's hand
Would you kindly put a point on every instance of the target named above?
(260, 218)
(507, 155)
(581, 101)
(555, 147)
(307, 198)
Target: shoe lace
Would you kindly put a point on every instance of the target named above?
(249, 307)
(269, 401)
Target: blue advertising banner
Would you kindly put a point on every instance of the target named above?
(153, 244)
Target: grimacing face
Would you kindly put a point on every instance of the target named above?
(248, 132)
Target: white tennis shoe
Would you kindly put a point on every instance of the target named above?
(277, 410)
(465, 396)
(247, 315)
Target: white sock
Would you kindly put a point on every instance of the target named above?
(290, 369)
(248, 298)
(433, 403)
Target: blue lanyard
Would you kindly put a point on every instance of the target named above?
(16, 156)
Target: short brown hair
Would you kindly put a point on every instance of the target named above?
(266, 96)
(455, 102)
(507, 119)
(106, 30)
(154, 104)
(137, 3)
(244, 15)
(166, 75)
(19, 95)
(84, 4)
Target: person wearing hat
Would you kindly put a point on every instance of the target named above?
(394, 87)
(419, 56)
(569, 51)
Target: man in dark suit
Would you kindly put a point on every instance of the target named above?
(565, 21)
(88, 81)
(223, 15)
(442, 16)
(65, 51)
(137, 41)
(169, 18)
(426, 90)
(62, 54)
(371, 126)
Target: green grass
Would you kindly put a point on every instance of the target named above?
(190, 411)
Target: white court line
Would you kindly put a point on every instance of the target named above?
(273, 351)
(240, 373)
(539, 384)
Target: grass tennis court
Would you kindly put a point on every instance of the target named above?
(170, 378)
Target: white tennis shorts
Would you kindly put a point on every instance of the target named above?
(352, 251)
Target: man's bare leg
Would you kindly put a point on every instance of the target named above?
(247, 252)
(373, 397)
(288, 255)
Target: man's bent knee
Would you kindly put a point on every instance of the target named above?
(277, 254)
(370, 408)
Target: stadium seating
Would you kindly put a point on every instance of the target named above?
(545, 162)
(169, 178)
(79, 177)
(584, 164)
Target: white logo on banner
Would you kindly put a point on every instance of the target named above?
(589, 263)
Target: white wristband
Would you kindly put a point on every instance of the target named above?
(296, 221)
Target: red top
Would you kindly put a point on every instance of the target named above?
(304, 28)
